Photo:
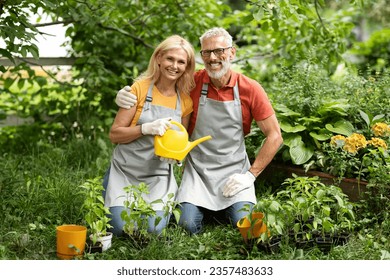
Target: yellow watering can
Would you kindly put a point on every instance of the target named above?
(174, 143)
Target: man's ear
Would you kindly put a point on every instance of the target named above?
(232, 53)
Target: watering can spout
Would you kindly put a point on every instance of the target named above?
(197, 142)
(174, 144)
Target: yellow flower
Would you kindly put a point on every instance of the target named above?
(377, 142)
(336, 140)
(380, 129)
(355, 142)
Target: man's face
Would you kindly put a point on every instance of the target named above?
(216, 55)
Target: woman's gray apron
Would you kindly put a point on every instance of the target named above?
(209, 164)
(136, 162)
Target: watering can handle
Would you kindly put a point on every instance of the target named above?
(179, 125)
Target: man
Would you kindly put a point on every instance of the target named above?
(217, 175)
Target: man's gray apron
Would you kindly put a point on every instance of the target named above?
(209, 164)
(136, 162)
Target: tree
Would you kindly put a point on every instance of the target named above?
(279, 33)
(111, 40)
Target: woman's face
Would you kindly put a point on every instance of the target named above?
(173, 64)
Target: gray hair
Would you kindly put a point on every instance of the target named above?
(216, 32)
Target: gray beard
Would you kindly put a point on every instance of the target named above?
(218, 75)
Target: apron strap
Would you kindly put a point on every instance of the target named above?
(236, 94)
(237, 100)
(203, 94)
(178, 101)
(149, 98)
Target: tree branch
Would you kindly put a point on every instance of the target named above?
(126, 34)
(318, 15)
(53, 23)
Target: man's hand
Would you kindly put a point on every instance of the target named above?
(157, 127)
(125, 99)
(238, 182)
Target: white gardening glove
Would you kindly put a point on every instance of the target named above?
(238, 182)
(125, 99)
(157, 127)
(168, 160)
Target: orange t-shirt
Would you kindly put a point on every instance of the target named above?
(254, 100)
(140, 89)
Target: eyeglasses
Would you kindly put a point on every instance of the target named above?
(217, 52)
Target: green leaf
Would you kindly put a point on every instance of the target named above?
(291, 139)
(300, 153)
(285, 111)
(7, 54)
(342, 127)
(176, 213)
(378, 117)
(274, 206)
(365, 117)
(320, 137)
(259, 15)
(287, 127)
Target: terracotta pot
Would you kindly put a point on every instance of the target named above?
(254, 230)
(70, 241)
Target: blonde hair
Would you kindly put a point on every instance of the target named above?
(186, 81)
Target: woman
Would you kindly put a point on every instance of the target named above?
(163, 95)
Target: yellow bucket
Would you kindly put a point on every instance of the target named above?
(249, 231)
(70, 241)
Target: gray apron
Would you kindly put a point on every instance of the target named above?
(135, 162)
(209, 164)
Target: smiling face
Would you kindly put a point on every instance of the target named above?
(217, 66)
(172, 63)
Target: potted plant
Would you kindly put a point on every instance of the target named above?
(137, 211)
(318, 209)
(251, 226)
(276, 217)
(96, 214)
(298, 197)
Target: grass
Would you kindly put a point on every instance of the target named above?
(39, 191)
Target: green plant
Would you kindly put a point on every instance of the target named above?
(96, 214)
(303, 134)
(315, 206)
(137, 210)
(276, 217)
(354, 156)
(373, 53)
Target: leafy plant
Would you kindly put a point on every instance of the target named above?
(316, 206)
(96, 215)
(137, 210)
(276, 217)
(302, 135)
(373, 53)
(355, 156)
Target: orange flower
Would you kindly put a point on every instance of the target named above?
(337, 140)
(354, 143)
(380, 129)
(377, 142)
